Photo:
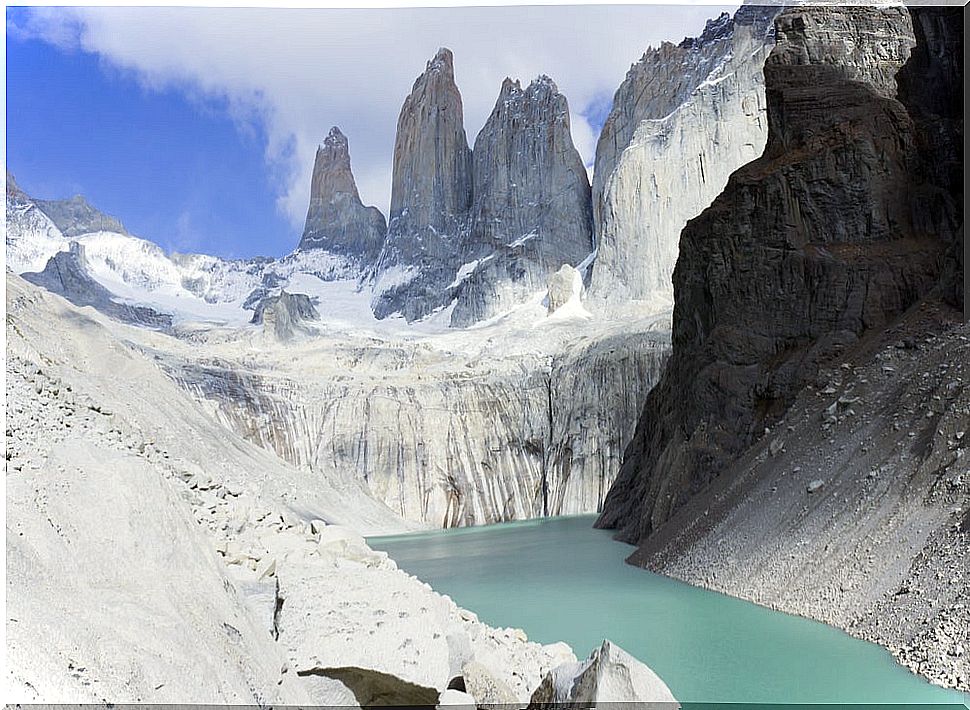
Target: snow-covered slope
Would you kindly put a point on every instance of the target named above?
(31, 238)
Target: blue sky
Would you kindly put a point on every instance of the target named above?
(175, 170)
(197, 126)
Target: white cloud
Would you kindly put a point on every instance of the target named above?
(297, 72)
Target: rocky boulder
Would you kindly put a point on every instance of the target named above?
(563, 286)
(609, 675)
(285, 314)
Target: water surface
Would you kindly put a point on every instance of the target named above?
(559, 579)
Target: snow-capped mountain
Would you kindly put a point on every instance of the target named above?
(136, 280)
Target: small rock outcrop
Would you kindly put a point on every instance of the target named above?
(337, 221)
(564, 285)
(532, 208)
(76, 216)
(682, 121)
(609, 675)
(837, 229)
(284, 314)
(431, 192)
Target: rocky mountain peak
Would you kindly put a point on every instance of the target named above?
(431, 192)
(331, 169)
(432, 159)
(337, 220)
(532, 209)
(443, 62)
(683, 120)
(77, 216)
(715, 29)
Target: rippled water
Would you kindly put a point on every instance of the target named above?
(559, 579)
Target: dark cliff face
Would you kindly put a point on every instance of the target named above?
(337, 220)
(842, 224)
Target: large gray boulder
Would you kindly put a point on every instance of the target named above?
(609, 675)
(337, 221)
(285, 315)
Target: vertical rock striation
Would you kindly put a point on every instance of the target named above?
(430, 195)
(532, 209)
(461, 444)
(482, 229)
(682, 121)
(838, 228)
(337, 221)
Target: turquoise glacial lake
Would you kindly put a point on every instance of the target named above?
(561, 580)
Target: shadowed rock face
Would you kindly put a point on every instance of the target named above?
(685, 117)
(75, 217)
(337, 220)
(837, 229)
(430, 194)
(532, 209)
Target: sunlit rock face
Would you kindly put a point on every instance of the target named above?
(683, 120)
(532, 210)
(431, 192)
(842, 225)
(337, 221)
(480, 230)
(465, 442)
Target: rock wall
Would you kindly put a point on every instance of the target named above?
(682, 121)
(430, 194)
(481, 229)
(460, 446)
(532, 210)
(835, 230)
(337, 221)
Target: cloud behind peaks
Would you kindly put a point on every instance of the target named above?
(293, 73)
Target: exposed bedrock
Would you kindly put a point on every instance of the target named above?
(337, 221)
(481, 229)
(431, 191)
(682, 121)
(837, 229)
(532, 210)
(455, 445)
(285, 315)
